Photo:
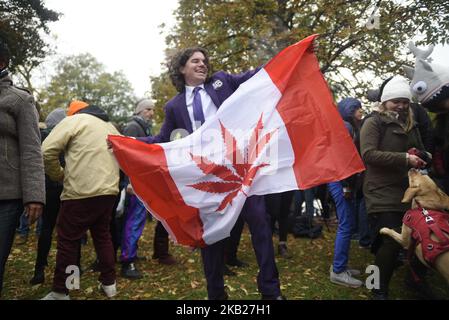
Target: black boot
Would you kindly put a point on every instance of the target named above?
(39, 276)
(130, 271)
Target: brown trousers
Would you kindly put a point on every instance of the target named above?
(74, 219)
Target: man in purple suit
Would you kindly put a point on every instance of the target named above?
(199, 98)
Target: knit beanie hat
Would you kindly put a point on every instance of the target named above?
(144, 104)
(55, 117)
(76, 106)
(397, 87)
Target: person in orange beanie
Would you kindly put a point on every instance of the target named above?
(76, 106)
(90, 188)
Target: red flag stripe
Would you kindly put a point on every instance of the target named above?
(164, 201)
(320, 141)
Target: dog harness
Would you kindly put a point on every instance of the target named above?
(424, 223)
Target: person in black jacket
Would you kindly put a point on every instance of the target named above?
(53, 191)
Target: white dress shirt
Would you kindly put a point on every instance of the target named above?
(209, 108)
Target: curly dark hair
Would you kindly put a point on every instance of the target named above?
(180, 60)
(4, 52)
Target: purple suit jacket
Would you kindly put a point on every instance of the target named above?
(219, 87)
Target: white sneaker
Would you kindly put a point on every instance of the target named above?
(56, 296)
(354, 272)
(345, 279)
(110, 290)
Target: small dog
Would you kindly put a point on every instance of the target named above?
(429, 229)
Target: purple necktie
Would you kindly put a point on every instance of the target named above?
(198, 114)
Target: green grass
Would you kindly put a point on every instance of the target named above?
(305, 276)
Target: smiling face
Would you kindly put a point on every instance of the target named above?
(195, 70)
(398, 105)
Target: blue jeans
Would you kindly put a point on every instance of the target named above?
(10, 211)
(345, 212)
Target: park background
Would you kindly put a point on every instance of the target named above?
(113, 52)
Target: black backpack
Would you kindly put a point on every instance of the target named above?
(357, 137)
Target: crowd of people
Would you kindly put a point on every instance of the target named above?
(63, 174)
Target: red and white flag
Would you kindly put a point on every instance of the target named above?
(279, 131)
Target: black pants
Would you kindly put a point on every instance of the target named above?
(10, 211)
(278, 206)
(160, 242)
(116, 228)
(384, 247)
(323, 195)
(49, 216)
(231, 244)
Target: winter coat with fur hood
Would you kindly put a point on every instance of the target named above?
(384, 144)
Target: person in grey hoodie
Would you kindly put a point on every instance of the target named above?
(21, 164)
